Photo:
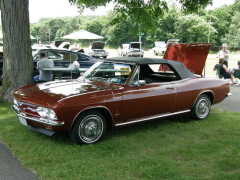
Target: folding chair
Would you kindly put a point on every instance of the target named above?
(236, 75)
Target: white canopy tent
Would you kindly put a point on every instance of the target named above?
(31, 37)
(82, 34)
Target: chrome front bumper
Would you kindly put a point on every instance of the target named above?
(39, 120)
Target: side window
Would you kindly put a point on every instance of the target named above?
(61, 56)
(52, 56)
(68, 56)
(158, 73)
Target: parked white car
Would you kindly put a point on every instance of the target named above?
(132, 49)
(160, 48)
(96, 50)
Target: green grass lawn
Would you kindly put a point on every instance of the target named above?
(174, 148)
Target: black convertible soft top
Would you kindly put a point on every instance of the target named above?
(178, 66)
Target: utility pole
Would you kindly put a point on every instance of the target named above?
(209, 29)
(140, 36)
(49, 35)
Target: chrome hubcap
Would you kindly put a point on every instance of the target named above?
(91, 128)
(203, 107)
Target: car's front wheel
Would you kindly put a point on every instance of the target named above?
(201, 108)
(89, 128)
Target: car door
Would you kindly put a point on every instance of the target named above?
(147, 101)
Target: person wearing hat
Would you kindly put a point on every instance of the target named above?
(224, 53)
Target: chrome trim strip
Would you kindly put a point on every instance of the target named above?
(152, 117)
(40, 120)
(20, 103)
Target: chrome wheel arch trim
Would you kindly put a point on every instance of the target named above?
(92, 108)
(204, 92)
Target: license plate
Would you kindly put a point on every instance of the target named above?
(23, 121)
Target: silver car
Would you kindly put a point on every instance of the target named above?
(96, 50)
(133, 49)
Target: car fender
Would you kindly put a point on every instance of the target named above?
(209, 93)
(104, 110)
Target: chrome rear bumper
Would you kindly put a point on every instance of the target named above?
(228, 94)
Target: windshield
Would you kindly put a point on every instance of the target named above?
(110, 72)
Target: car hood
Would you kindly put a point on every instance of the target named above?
(192, 55)
(135, 45)
(98, 45)
(51, 92)
(125, 45)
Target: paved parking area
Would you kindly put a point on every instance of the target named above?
(11, 168)
(231, 103)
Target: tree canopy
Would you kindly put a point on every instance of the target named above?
(204, 26)
(144, 12)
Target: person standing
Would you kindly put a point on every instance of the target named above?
(224, 53)
(43, 63)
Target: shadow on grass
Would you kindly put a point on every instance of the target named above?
(144, 127)
(11, 125)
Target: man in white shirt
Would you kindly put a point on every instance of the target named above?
(224, 53)
(43, 63)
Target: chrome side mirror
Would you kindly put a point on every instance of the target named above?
(139, 83)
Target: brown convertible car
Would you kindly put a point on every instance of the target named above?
(117, 92)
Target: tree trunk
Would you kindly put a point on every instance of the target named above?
(17, 63)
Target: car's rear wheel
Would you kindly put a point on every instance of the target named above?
(89, 128)
(201, 108)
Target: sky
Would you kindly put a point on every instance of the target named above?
(58, 8)
(62, 8)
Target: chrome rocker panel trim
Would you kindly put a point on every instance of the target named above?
(152, 117)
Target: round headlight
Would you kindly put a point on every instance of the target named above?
(46, 113)
(42, 111)
(51, 114)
